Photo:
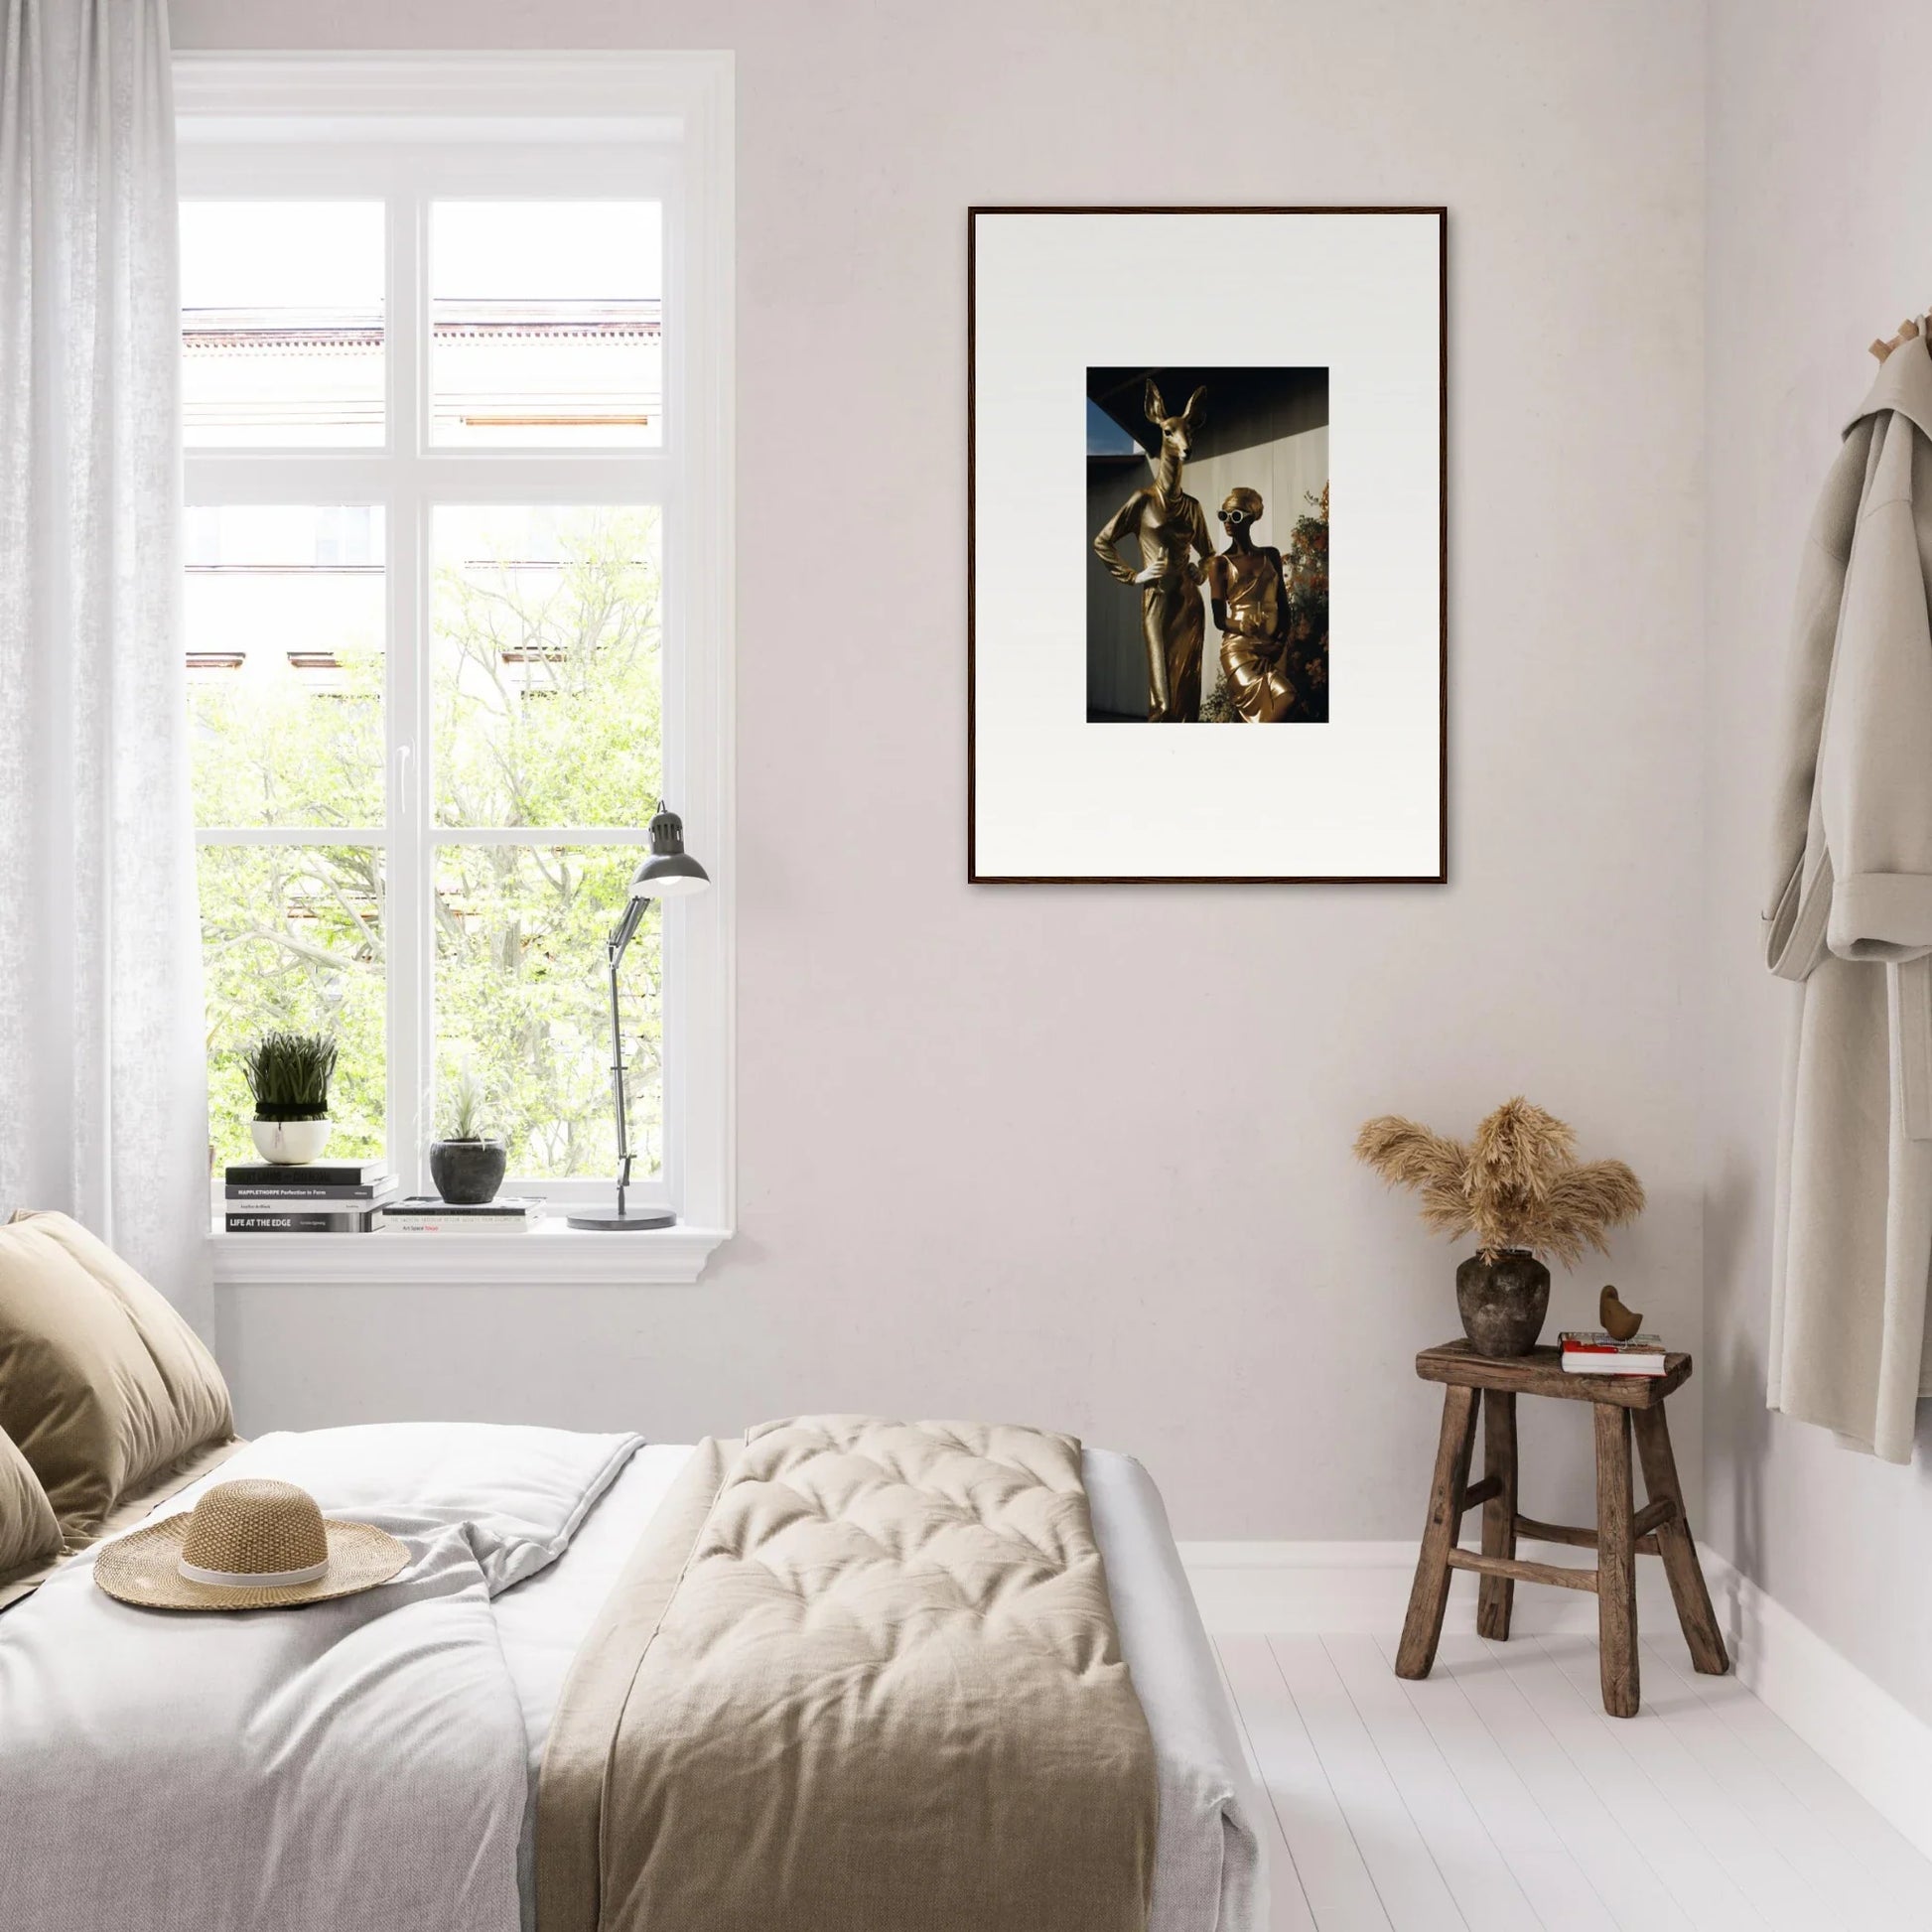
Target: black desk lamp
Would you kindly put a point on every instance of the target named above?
(669, 871)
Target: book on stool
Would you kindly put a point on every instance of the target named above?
(1596, 1351)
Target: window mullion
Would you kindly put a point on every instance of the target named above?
(638, 835)
(291, 835)
(409, 912)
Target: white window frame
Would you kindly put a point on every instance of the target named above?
(405, 129)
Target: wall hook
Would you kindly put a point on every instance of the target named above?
(1908, 331)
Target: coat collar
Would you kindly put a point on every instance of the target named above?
(1905, 384)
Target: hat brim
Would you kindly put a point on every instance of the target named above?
(143, 1569)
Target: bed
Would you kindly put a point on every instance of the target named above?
(1208, 1873)
(839, 1674)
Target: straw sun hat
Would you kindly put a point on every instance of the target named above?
(248, 1545)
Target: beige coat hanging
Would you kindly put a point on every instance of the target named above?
(1850, 917)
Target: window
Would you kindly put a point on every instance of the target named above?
(454, 341)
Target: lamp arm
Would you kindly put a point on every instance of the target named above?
(615, 955)
(626, 928)
(615, 948)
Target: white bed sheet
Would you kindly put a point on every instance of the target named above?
(1210, 1871)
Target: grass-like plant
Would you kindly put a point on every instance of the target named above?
(464, 1109)
(289, 1076)
(1516, 1184)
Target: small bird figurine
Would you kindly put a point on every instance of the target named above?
(1619, 1321)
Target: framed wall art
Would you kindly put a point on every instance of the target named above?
(1191, 432)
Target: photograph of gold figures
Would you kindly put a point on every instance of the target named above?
(1180, 575)
(1245, 437)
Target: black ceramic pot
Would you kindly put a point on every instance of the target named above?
(468, 1173)
(1504, 1302)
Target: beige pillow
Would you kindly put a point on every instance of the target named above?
(29, 1533)
(102, 1384)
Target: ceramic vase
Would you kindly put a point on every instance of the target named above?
(1504, 1301)
(468, 1174)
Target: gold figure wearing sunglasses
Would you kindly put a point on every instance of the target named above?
(1169, 524)
(1251, 613)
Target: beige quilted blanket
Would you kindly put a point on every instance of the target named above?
(861, 1676)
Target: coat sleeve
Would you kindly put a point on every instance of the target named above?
(1796, 907)
(1874, 769)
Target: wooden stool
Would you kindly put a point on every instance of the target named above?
(1660, 1529)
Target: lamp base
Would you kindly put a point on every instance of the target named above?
(610, 1220)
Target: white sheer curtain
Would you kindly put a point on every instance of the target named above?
(102, 1067)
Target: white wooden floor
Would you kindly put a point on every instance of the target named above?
(1496, 1795)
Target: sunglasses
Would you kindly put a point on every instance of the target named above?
(1234, 516)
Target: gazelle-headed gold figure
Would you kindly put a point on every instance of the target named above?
(1170, 525)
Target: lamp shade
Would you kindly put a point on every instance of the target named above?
(669, 871)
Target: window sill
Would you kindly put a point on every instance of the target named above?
(551, 1254)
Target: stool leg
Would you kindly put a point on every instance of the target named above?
(1422, 1630)
(1496, 1595)
(1678, 1548)
(1616, 1562)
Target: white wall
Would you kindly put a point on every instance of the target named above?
(992, 1159)
(1820, 238)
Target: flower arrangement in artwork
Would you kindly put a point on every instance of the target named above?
(1304, 566)
(1516, 1184)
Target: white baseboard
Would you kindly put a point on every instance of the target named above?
(1879, 1748)
(1883, 1750)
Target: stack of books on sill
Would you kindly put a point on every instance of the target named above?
(426, 1214)
(323, 1198)
(1594, 1351)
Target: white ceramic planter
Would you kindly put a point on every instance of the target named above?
(290, 1143)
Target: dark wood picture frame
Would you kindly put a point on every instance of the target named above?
(974, 876)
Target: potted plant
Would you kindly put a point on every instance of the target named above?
(1519, 1188)
(289, 1075)
(468, 1163)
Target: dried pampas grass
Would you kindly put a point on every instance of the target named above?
(1406, 1155)
(1516, 1184)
